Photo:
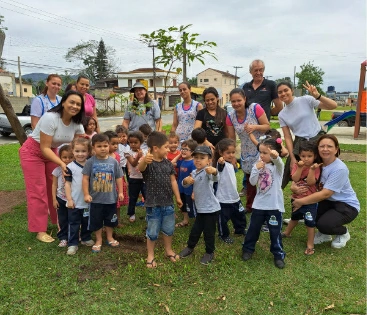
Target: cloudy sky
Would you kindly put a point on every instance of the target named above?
(284, 33)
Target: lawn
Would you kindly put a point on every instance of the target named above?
(39, 278)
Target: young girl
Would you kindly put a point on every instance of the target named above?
(78, 209)
(227, 195)
(114, 142)
(136, 183)
(123, 147)
(90, 126)
(271, 133)
(58, 194)
(173, 143)
(268, 204)
(305, 173)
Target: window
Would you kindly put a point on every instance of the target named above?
(174, 82)
(206, 80)
(151, 82)
(215, 79)
(25, 90)
(201, 80)
(129, 83)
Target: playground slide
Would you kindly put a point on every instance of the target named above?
(330, 124)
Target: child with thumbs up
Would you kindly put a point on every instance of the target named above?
(268, 204)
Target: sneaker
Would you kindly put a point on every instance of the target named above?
(63, 243)
(265, 228)
(301, 221)
(340, 240)
(246, 256)
(207, 258)
(286, 221)
(72, 250)
(88, 243)
(279, 263)
(321, 238)
(243, 192)
(227, 240)
(186, 252)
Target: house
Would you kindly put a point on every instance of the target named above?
(162, 78)
(27, 88)
(7, 81)
(223, 81)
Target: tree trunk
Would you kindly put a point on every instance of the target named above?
(12, 117)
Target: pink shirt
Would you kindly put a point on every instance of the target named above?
(303, 181)
(259, 111)
(89, 104)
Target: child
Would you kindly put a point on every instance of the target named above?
(305, 173)
(123, 147)
(90, 126)
(136, 182)
(274, 134)
(101, 175)
(146, 130)
(114, 142)
(227, 195)
(268, 204)
(206, 204)
(173, 142)
(185, 165)
(159, 176)
(199, 135)
(58, 195)
(78, 214)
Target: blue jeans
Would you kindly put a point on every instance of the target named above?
(160, 219)
(77, 218)
(274, 220)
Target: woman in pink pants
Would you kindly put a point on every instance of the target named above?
(38, 159)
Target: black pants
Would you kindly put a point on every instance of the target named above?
(332, 215)
(230, 211)
(204, 223)
(62, 219)
(78, 218)
(136, 185)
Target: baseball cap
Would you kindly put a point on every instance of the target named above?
(202, 149)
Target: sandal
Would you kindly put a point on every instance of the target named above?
(96, 248)
(45, 238)
(309, 251)
(113, 243)
(152, 264)
(285, 235)
(173, 258)
(182, 224)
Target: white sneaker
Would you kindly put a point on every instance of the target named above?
(321, 238)
(340, 240)
(72, 250)
(286, 221)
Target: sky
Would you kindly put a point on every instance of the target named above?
(283, 33)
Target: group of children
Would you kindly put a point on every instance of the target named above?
(90, 195)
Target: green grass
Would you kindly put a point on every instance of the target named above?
(39, 278)
(355, 148)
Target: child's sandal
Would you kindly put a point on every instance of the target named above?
(152, 264)
(309, 251)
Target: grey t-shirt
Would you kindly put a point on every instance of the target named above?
(157, 177)
(102, 179)
(141, 116)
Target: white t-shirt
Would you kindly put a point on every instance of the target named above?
(51, 124)
(122, 149)
(76, 185)
(300, 117)
(57, 172)
(227, 185)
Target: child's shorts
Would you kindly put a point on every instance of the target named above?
(188, 205)
(102, 215)
(160, 219)
(306, 212)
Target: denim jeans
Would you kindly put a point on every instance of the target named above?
(160, 219)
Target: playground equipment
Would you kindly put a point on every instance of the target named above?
(361, 103)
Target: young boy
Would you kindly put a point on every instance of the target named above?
(160, 181)
(101, 175)
(199, 135)
(123, 147)
(185, 165)
(146, 130)
(173, 142)
(206, 204)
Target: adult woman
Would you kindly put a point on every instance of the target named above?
(299, 117)
(337, 201)
(47, 99)
(38, 159)
(212, 118)
(184, 114)
(142, 110)
(82, 86)
(70, 86)
(244, 120)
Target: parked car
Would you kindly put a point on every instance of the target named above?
(24, 118)
(228, 107)
(349, 121)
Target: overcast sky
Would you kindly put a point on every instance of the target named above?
(284, 33)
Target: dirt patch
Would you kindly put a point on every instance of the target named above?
(352, 157)
(10, 199)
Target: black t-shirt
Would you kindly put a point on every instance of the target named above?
(157, 177)
(214, 131)
(263, 95)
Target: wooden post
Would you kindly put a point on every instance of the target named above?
(20, 79)
(12, 117)
(362, 79)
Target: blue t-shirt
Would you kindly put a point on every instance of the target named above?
(185, 167)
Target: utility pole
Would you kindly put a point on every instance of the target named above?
(184, 57)
(20, 78)
(235, 76)
(154, 75)
(294, 77)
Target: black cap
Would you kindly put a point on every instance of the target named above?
(202, 149)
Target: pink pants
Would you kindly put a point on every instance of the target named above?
(37, 171)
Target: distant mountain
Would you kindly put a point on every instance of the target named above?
(35, 76)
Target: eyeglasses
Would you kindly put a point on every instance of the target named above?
(185, 149)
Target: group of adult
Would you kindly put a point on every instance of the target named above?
(338, 203)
